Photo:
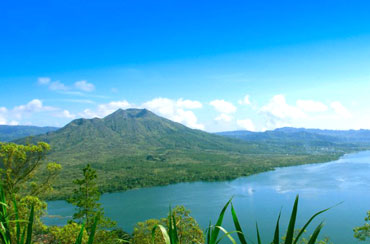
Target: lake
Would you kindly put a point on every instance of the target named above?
(258, 198)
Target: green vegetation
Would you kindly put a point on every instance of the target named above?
(135, 148)
(86, 198)
(362, 233)
(188, 230)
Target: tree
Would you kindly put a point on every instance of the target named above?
(18, 166)
(25, 178)
(187, 228)
(86, 198)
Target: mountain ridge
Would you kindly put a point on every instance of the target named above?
(13, 132)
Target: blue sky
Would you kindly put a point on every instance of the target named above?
(211, 65)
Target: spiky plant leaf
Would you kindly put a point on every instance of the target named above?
(30, 226)
(315, 234)
(291, 226)
(216, 231)
(164, 232)
(237, 226)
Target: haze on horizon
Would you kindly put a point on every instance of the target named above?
(211, 66)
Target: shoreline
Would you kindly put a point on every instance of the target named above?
(335, 158)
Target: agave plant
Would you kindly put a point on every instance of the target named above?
(170, 234)
(22, 237)
(25, 236)
(92, 234)
(290, 239)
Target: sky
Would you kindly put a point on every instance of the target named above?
(210, 65)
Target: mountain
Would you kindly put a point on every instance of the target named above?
(136, 148)
(131, 132)
(314, 138)
(13, 132)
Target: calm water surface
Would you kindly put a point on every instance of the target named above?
(256, 198)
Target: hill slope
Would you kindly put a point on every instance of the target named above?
(13, 132)
(136, 148)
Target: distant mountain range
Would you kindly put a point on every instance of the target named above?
(302, 136)
(13, 132)
(136, 148)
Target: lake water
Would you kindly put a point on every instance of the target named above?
(256, 198)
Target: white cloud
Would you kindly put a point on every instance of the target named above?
(13, 122)
(245, 100)
(2, 120)
(83, 85)
(223, 106)
(18, 112)
(65, 114)
(35, 105)
(105, 109)
(174, 110)
(224, 117)
(278, 107)
(188, 104)
(311, 106)
(246, 124)
(188, 118)
(58, 86)
(43, 80)
(340, 110)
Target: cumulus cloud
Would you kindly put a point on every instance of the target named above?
(245, 100)
(65, 114)
(188, 104)
(311, 106)
(224, 117)
(223, 106)
(278, 107)
(105, 109)
(18, 113)
(246, 124)
(83, 85)
(306, 113)
(278, 113)
(340, 110)
(34, 105)
(175, 110)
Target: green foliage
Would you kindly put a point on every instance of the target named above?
(68, 233)
(86, 198)
(20, 163)
(362, 233)
(179, 221)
